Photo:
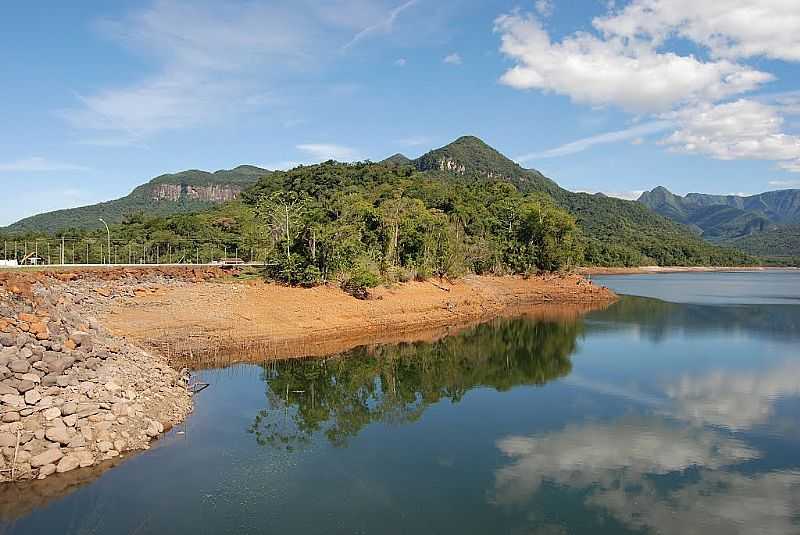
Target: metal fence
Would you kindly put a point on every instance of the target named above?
(81, 251)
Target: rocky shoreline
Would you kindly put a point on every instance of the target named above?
(71, 394)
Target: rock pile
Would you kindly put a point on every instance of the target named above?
(71, 395)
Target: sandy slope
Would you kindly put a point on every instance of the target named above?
(266, 321)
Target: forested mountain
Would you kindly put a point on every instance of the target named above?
(187, 191)
(397, 159)
(720, 217)
(766, 224)
(616, 231)
(780, 243)
(462, 207)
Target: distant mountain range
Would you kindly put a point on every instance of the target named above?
(617, 232)
(187, 191)
(763, 224)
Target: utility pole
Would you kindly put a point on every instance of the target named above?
(62, 249)
(109, 239)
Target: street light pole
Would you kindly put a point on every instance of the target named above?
(108, 231)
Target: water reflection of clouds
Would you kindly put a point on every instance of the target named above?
(718, 503)
(616, 463)
(737, 400)
(597, 453)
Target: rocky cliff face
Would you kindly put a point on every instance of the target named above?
(216, 193)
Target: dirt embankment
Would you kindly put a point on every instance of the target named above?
(192, 323)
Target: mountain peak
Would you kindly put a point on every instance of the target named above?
(469, 141)
(471, 156)
(396, 159)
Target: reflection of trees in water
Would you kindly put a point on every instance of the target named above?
(394, 384)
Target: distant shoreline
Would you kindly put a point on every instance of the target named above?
(677, 269)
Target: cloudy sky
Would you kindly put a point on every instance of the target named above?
(98, 97)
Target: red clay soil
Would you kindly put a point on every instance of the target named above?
(190, 323)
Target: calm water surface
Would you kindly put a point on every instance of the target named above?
(679, 415)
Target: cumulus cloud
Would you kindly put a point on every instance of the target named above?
(324, 151)
(626, 59)
(453, 59)
(37, 164)
(728, 28)
(544, 7)
(628, 73)
(743, 129)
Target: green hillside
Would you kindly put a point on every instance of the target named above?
(616, 231)
(187, 191)
(767, 224)
(453, 197)
(396, 159)
(778, 243)
(726, 217)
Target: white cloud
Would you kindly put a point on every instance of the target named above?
(744, 129)
(728, 28)
(38, 164)
(401, 62)
(544, 7)
(322, 152)
(632, 133)
(384, 25)
(793, 167)
(627, 72)
(282, 165)
(784, 183)
(626, 195)
(212, 60)
(453, 59)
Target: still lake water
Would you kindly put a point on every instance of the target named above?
(679, 415)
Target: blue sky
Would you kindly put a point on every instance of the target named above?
(98, 97)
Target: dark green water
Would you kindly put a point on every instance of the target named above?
(647, 417)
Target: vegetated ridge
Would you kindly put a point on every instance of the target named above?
(460, 208)
(765, 224)
(616, 231)
(187, 191)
